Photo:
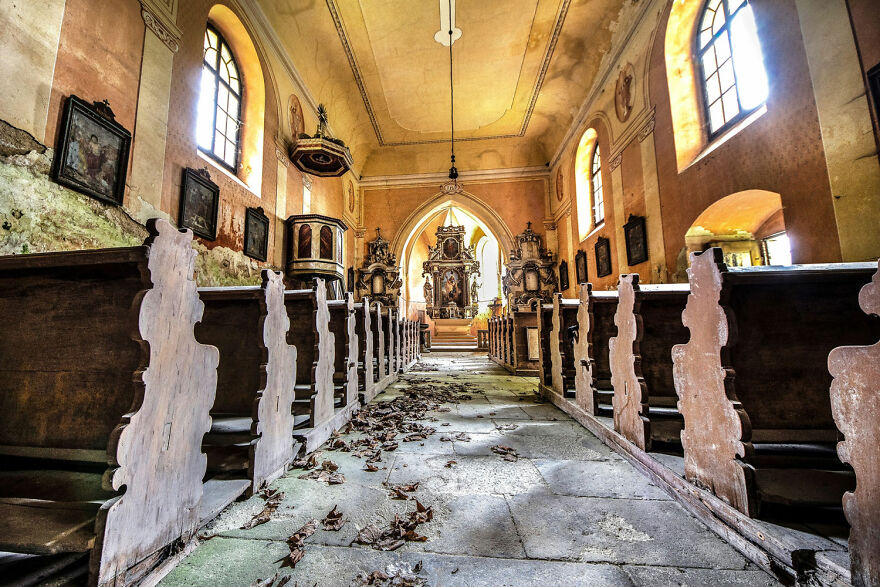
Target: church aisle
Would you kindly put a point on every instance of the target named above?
(567, 511)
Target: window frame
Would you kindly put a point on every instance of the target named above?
(699, 52)
(221, 42)
(593, 175)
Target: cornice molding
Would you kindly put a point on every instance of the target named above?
(536, 172)
(160, 16)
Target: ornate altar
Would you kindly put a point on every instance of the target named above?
(450, 269)
(379, 277)
(530, 271)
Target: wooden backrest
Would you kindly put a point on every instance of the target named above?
(69, 348)
(339, 327)
(660, 308)
(232, 322)
(603, 328)
(784, 322)
(302, 307)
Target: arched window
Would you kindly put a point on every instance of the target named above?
(219, 102)
(734, 81)
(596, 188)
(587, 173)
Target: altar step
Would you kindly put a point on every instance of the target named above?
(454, 335)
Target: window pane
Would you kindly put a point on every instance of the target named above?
(716, 116)
(713, 91)
(726, 75)
(732, 5)
(204, 126)
(731, 106)
(718, 21)
(211, 58)
(211, 38)
(748, 60)
(709, 65)
(722, 47)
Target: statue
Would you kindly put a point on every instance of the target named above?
(474, 293)
(429, 291)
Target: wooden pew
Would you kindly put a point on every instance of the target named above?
(753, 384)
(855, 405)
(493, 339)
(249, 444)
(593, 389)
(544, 319)
(509, 343)
(343, 325)
(98, 367)
(384, 376)
(648, 320)
(315, 416)
(562, 362)
(366, 359)
(524, 321)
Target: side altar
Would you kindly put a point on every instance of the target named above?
(451, 269)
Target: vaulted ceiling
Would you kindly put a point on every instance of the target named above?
(522, 70)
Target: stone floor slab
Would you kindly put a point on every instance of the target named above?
(615, 479)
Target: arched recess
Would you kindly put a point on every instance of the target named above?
(418, 218)
(253, 94)
(749, 226)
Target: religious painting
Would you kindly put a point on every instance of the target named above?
(199, 204)
(636, 242)
(91, 156)
(563, 275)
(256, 234)
(603, 257)
(450, 248)
(351, 200)
(451, 288)
(580, 267)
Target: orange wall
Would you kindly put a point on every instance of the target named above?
(780, 152)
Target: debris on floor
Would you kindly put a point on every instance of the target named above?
(508, 453)
(273, 499)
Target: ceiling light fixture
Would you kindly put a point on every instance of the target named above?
(452, 186)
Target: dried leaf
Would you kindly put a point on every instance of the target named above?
(333, 521)
(273, 499)
(371, 468)
(463, 437)
(450, 463)
(508, 453)
(368, 535)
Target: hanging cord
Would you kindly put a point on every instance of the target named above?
(453, 172)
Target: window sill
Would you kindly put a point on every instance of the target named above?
(225, 172)
(596, 229)
(725, 136)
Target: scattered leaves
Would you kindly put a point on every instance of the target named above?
(296, 543)
(271, 581)
(508, 453)
(398, 532)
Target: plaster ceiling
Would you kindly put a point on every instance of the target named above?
(522, 69)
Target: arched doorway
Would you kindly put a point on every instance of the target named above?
(748, 226)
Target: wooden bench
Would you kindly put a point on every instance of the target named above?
(98, 367)
(381, 346)
(313, 408)
(522, 322)
(855, 405)
(563, 332)
(544, 320)
(753, 383)
(249, 444)
(343, 325)
(596, 326)
(366, 359)
(493, 339)
(648, 320)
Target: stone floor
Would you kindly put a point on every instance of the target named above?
(569, 512)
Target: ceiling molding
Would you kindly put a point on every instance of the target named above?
(584, 112)
(381, 181)
(536, 90)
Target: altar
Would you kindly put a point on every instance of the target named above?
(450, 271)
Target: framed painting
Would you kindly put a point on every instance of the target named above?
(636, 241)
(91, 155)
(563, 275)
(603, 257)
(256, 234)
(199, 203)
(580, 267)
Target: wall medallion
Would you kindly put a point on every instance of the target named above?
(351, 201)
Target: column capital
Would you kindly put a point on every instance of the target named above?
(160, 16)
